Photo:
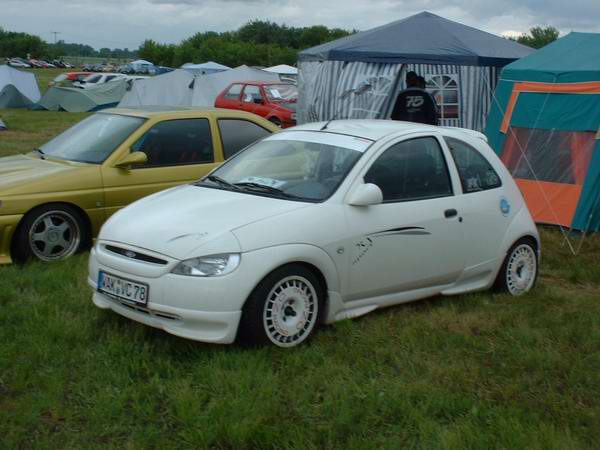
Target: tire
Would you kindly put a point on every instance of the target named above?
(284, 309)
(275, 121)
(519, 270)
(50, 233)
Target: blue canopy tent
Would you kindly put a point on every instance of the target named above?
(360, 75)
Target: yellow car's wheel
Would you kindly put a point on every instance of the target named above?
(50, 233)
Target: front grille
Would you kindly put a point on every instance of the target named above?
(135, 255)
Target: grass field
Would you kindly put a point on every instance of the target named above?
(481, 371)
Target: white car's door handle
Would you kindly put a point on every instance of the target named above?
(449, 213)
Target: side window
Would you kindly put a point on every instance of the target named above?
(476, 173)
(237, 134)
(109, 77)
(177, 142)
(252, 94)
(411, 170)
(234, 92)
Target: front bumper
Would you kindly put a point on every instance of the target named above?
(8, 225)
(201, 309)
(205, 326)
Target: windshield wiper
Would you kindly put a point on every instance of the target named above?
(221, 181)
(265, 188)
(41, 152)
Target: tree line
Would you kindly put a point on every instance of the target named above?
(14, 44)
(538, 37)
(258, 43)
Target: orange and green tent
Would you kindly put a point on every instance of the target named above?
(544, 123)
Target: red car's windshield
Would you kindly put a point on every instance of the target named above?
(281, 92)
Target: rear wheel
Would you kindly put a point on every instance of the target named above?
(50, 233)
(519, 270)
(284, 308)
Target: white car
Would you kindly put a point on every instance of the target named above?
(17, 63)
(95, 79)
(316, 224)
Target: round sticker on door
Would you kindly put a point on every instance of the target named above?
(504, 206)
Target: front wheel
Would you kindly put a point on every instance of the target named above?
(519, 270)
(276, 121)
(284, 308)
(50, 233)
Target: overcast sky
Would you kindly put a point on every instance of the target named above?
(126, 23)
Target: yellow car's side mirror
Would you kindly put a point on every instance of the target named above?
(131, 159)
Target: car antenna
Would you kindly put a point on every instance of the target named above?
(324, 127)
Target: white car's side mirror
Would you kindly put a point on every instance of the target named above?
(365, 195)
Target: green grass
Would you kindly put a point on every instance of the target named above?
(478, 371)
(30, 129)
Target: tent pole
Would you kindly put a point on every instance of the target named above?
(589, 222)
(390, 106)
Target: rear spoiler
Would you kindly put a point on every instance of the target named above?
(470, 133)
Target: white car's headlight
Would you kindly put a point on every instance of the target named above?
(208, 266)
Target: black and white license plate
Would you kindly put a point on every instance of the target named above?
(123, 288)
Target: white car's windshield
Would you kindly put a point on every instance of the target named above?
(93, 139)
(281, 92)
(299, 165)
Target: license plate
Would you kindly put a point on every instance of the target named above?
(123, 288)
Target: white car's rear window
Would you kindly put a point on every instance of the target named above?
(337, 140)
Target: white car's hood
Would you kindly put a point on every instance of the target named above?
(179, 221)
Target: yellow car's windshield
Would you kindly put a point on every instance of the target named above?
(93, 139)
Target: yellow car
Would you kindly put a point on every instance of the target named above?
(54, 200)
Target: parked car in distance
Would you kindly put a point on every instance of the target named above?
(46, 64)
(18, 63)
(36, 64)
(98, 78)
(68, 78)
(126, 69)
(274, 101)
(318, 223)
(54, 200)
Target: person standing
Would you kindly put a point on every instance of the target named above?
(414, 104)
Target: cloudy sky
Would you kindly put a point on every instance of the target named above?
(126, 23)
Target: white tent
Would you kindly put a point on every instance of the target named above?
(205, 68)
(171, 88)
(181, 88)
(140, 64)
(283, 69)
(18, 89)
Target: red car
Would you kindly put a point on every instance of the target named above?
(272, 100)
(68, 76)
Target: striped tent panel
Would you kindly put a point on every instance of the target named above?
(364, 89)
(358, 90)
(476, 90)
(317, 81)
(334, 89)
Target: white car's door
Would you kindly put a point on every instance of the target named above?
(485, 210)
(413, 239)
